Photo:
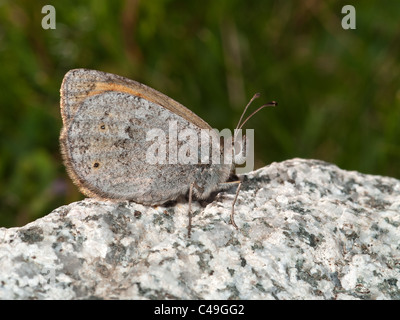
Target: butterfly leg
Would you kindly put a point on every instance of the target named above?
(227, 185)
(190, 209)
(193, 185)
(232, 220)
(223, 185)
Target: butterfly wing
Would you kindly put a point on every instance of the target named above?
(104, 139)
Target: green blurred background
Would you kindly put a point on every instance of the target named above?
(338, 90)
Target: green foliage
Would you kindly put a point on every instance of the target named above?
(338, 90)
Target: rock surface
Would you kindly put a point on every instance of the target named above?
(307, 230)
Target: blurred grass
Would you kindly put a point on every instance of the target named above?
(338, 90)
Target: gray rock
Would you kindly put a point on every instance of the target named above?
(307, 230)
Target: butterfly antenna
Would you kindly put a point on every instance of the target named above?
(257, 95)
(240, 125)
(270, 104)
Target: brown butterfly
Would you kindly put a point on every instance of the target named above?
(105, 144)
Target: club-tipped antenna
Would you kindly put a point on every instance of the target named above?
(257, 95)
(241, 124)
(269, 104)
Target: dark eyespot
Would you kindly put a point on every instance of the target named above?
(102, 127)
(96, 165)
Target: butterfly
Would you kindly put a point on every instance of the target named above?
(108, 143)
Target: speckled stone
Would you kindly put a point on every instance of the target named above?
(307, 230)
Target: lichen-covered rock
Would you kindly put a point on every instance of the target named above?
(307, 230)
